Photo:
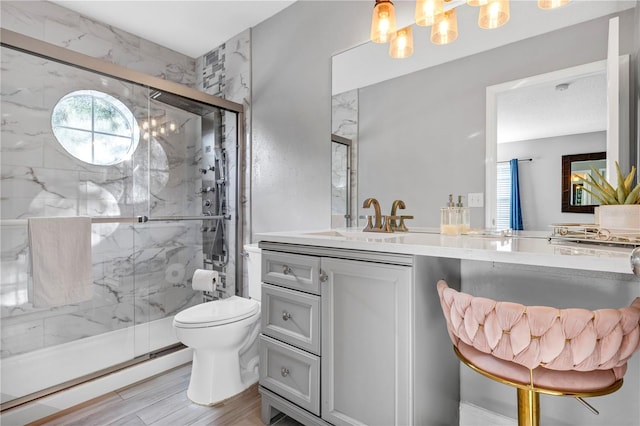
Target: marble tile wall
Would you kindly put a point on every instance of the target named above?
(141, 272)
(225, 72)
(60, 26)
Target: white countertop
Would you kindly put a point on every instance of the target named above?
(525, 248)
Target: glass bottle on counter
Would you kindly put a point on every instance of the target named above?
(464, 224)
(455, 218)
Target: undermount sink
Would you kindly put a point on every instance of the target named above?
(356, 235)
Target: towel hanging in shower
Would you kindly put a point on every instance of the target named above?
(60, 255)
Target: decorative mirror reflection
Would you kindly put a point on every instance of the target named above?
(575, 168)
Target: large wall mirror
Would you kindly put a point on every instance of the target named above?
(419, 126)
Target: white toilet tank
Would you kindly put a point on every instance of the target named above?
(254, 268)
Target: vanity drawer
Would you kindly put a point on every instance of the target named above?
(291, 316)
(291, 373)
(294, 271)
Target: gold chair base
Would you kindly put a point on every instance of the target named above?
(528, 407)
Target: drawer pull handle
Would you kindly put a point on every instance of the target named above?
(323, 276)
(286, 315)
(287, 270)
(284, 371)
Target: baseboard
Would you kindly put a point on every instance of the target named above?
(47, 406)
(472, 415)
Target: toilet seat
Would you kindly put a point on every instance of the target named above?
(217, 312)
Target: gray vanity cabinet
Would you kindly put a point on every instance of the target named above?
(366, 343)
(355, 338)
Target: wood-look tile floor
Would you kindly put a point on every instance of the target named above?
(162, 400)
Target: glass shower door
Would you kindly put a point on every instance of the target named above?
(168, 246)
(42, 177)
(62, 130)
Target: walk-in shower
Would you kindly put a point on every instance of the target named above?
(153, 164)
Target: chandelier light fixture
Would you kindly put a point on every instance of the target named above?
(443, 23)
(445, 29)
(401, 45)
(493, 14)
(383, 22)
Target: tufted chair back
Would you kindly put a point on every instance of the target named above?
(541, 336)
(540, 349)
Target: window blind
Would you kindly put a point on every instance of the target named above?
(503, 195)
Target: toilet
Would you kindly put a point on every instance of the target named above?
(224, 337)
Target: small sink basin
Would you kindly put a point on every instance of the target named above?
(356, 235)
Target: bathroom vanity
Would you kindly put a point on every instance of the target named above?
(353, 333)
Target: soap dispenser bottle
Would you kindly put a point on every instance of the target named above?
(464, 219)
(449, 218)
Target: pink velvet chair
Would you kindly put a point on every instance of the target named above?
(540, 349)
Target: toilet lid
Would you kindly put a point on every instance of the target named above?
(217, 312)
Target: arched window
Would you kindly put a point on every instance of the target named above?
(95, 127)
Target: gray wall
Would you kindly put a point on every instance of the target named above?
(422, 136)
(291, 115)
(540, 179)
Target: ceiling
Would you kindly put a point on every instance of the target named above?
(192, 28)
(546, 110)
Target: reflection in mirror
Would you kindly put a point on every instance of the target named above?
(546, 117)
(574, 198)
(505, 193)
(340, 182)
(421, 129)
(543, 118)
(344, 158)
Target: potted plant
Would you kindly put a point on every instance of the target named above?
(619, 206)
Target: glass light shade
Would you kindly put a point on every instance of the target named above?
(552, 4)
(494, 14)
(383, 22)
(477, 2)
(446, 29)
(401, 45)
(428, 11)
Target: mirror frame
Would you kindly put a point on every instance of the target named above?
(567, 160)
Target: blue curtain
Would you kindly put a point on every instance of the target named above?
(515, 218)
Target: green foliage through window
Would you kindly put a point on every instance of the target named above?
(95, 127)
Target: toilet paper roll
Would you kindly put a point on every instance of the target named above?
(174, 273)
(205, 280)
